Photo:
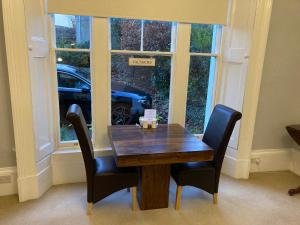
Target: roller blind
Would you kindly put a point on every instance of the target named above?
(186, 11)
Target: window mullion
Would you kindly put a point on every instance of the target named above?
(72, 50)
(212, 76)
(219, 44)
(180, 75)
(203, 54)
(55, 103)
(149, 53)
(100, 81)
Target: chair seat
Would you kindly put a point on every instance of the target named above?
(109, 178)
(106, 165)
(197, 174)
(206, 175)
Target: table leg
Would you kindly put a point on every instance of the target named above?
(153, 188)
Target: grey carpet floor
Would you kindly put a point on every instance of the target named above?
(260, 200)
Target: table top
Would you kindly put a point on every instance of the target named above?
(168, 143)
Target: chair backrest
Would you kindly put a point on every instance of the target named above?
(218, 132)
(76, 118)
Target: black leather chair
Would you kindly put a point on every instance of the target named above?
(102, 174)
(206, 175)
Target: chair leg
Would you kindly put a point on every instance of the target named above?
(134, 198)
(178, 197)
(215, 198)
(128, 189)
(89, 210)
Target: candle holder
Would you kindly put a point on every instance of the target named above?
(148, 124)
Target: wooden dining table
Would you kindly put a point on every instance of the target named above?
(153, 151)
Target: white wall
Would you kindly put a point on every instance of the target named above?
(279, 101)
(7, 156)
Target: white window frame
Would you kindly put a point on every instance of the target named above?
(170, 54)
(53, 49)
(214, 73)
(182, 64)
(100, 64)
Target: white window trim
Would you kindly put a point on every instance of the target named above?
(72, 49)
(204, 54)
(214, 78)
(182, 68)
(100, 64)
(150, 53)
(170, 54)
(53, 49)
(55, 102)
(179, 79)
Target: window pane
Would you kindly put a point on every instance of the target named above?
(74, 87)
(201, 38)
(125, 34)
(157, 36)
(72, 31)
(135, 88)
(201, 68)
(66, 80)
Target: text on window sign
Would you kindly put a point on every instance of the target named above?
(141, 62)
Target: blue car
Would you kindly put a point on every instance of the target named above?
(74, 87)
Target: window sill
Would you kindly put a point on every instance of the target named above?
(98, 152)
(199, 136)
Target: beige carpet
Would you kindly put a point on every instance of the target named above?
(260, 200)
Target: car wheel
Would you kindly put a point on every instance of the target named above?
(120, 114)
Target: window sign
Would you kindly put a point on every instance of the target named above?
(141, 62)
(150, 114)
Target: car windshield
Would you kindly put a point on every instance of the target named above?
(80, 71)
(69, 81)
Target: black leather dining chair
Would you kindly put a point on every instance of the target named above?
(102, 175)
(206, 175)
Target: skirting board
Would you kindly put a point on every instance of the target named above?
(270, 160)
(68, 165)
(8, 185)
(34, 186)
(236, 168)
(295, 161)
(264, 160)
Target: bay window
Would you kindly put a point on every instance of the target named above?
(132, 63)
